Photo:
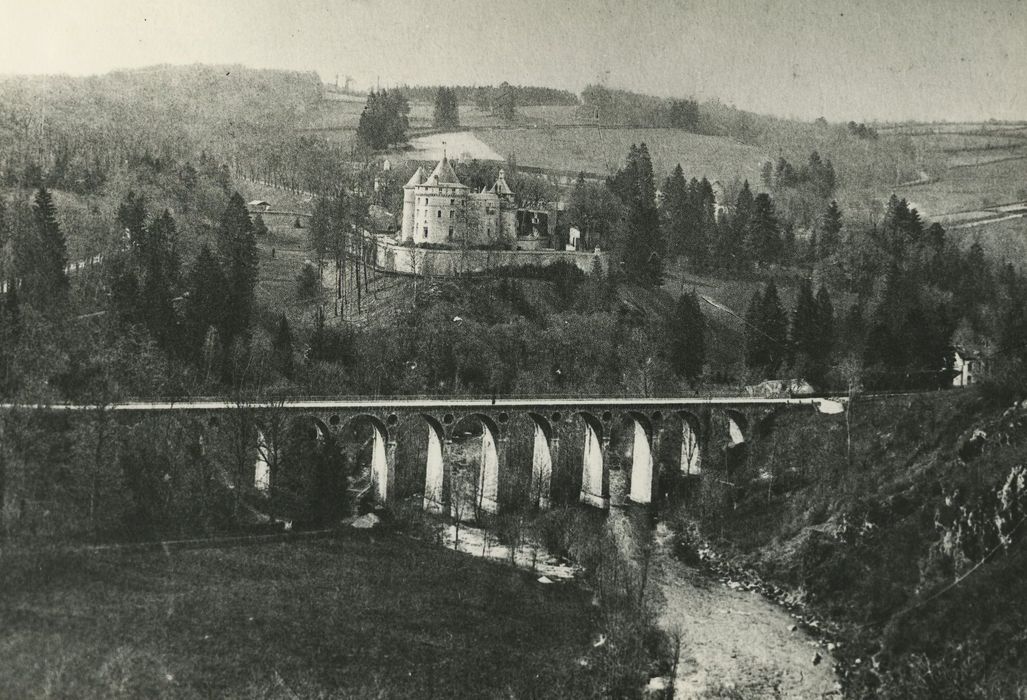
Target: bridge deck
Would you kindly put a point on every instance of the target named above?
(427, 404)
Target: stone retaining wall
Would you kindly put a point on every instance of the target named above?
(425, 261)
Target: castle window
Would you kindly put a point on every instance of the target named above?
(451, 202)
(488, 230)
(425, 200)
(450, 233)
(450, 213)
(425, 231)
(439, 212)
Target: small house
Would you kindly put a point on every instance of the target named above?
(966, 367)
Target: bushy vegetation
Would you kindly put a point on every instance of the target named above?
(908, 547)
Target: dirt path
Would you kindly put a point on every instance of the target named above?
(735, 643)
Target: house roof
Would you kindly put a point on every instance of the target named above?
(501, 187)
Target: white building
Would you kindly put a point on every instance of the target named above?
(965, 367)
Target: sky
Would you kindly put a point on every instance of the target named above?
(845, 60)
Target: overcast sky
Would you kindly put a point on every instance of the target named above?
(856, 59)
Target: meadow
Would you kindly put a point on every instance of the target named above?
(355, 616)
(592, 150)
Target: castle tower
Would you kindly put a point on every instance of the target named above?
(507, 209)
(409, 203)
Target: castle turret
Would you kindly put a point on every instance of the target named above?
(409, 203)
(507, 209)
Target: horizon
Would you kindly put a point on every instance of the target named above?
(845, 61)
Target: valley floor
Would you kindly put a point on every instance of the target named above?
(734, 643)
(372, 615)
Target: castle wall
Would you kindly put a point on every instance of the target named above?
(448, 263)
(484, 228)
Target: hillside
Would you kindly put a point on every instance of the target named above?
(909, 552)
(602, 150)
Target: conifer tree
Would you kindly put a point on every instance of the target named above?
(160, 274)
(686, 337)
(282, 348)
(756, 355)
(5, 238)
(10, 334)
(206, 307)
(762, 234)
(447, 109)
(675, 215)
(825, 327)
(237, 248)
(774, 323)
(132, 217)
(804, 335)
(259, 227)
(829, 232)
(41, 256)
(642, 249)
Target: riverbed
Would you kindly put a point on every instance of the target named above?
(734, 642)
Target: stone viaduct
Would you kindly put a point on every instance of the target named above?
(650, 418)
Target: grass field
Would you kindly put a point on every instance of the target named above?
(587, 149)
(969, 188)
(1004, 240)
(354, 617)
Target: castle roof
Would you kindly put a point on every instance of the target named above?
(417, 178)
(501, 187)
(443, 174)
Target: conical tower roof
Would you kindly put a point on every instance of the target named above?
(443, 174)
(501, 188)
(417, 178)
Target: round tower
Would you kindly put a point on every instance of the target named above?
(410, 204)
(507, 209)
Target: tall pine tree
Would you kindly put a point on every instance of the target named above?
(237, 248)
(41, 256)
(686, 342)
(205, 309)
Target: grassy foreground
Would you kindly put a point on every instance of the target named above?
(360, 616)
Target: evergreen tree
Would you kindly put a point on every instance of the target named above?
(447, 109)
(282, 348)
(506, 102)
(10, 334)
(756, 351)
(206, 307)
(829, 233)
(676, 204)
(132, 217)
(805, 329)
(5, 239)
(642, 249)
(259, 227)
(774, 324)
(762, 234)
(160, 274)
(41, 256)
(237, 248)
(686, 337)
(825, 328)
(384, 120)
